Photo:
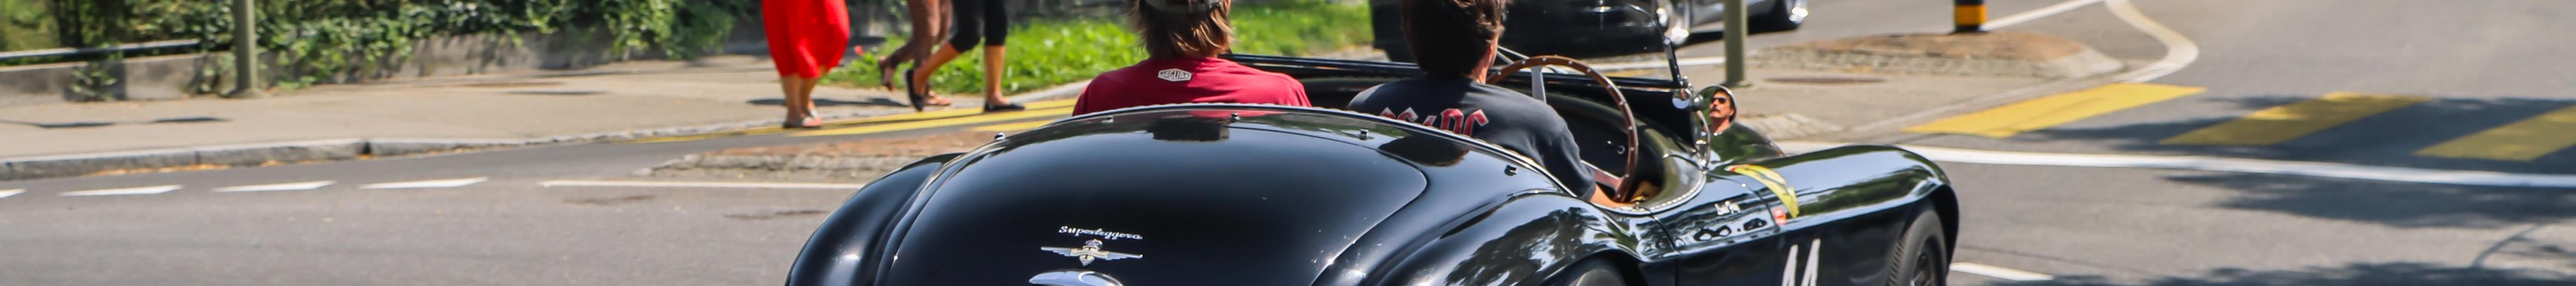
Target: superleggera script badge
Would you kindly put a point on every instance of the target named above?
(1111, 235)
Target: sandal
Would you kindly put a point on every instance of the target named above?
(809, 122)
(919, 95)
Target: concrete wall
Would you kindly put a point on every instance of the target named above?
(143, 78)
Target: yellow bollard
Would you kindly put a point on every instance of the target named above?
(1971, 15)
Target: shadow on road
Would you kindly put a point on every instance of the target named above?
(2394, 204)
(2385, 139)
(2392, 274)
(879, 101)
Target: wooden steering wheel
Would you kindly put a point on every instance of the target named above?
(1626, 189)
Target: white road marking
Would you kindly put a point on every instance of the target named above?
(6, 194)
(2199, 163)
(658, 184)
(2179, 51)
(124, 191)
(298, 186)
(448, 183)
(1999, 272)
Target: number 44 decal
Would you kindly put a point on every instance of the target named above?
(1791, 276)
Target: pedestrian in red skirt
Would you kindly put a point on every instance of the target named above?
(805, 41)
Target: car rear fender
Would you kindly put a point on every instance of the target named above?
(836, 254)
(1498, 245)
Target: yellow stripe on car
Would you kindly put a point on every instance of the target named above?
(1771, 180)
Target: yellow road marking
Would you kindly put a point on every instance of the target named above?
(2282, 123)
(986, 118)
(956, 112)
(1012, 126)
(2520, 141)
(1771, 180)
(880, 119)
(2049, 111)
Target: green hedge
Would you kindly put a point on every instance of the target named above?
(1046, 53)
(320, 39)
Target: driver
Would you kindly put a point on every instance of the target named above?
(1454, 41)
(1182, 39)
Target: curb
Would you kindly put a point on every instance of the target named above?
(325, 150)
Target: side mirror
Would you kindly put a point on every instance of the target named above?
(1719, 105)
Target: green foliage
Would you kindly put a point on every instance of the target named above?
(93, 81)
(24, 26)
(1047, 53)
(340, 40)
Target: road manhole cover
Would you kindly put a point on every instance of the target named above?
(1828, 80)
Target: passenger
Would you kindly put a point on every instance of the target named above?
(1453, 41)
(1182, 39)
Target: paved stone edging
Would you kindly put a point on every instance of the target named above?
(1993, 54)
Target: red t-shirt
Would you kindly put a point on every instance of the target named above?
(1187, 80)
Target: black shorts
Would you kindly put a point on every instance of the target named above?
(978, 21)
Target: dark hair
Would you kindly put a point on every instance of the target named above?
(1179, 28)
(1452, 37)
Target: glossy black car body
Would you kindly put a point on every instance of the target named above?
(1227, 194)
(1589, 28)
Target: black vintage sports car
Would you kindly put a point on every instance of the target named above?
(1598, 27)
(1235, 194)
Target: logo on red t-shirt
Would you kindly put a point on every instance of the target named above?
(1173, 75)
(1463, 123)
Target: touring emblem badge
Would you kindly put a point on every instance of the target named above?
(1173, 75)
(1089, 251)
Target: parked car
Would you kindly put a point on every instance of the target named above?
(1598, 27)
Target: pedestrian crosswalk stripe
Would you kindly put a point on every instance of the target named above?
(124, 191)
(2282, 123)
(2519, 141)
(297, 186)
(2053, 110)
(987, 118)
(6, 194)
(1012, 126)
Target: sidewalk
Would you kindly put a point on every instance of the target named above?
(338, 122)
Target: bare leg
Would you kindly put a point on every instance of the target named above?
(799, 100)
(939, 56)
(929, 29)
(931, 25)
(993, 76)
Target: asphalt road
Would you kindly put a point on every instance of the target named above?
(2484, 61)
(2475, 65)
